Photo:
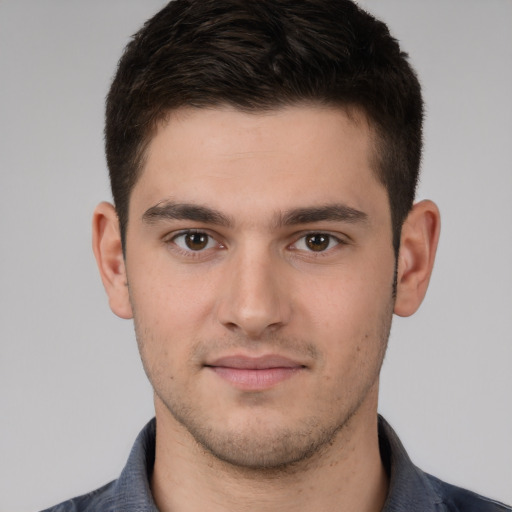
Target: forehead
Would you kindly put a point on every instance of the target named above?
(299, 154)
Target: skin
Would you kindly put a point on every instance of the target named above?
(262, 307)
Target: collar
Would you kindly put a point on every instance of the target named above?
(132, 490)
(409, 488)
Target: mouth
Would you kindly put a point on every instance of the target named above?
(255, 373)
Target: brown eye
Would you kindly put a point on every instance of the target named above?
(317, 242)
(194, 241)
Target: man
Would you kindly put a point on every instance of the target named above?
(263, 159)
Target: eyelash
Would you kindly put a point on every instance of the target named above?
(188, 251)
(330, 239)
(332, 242)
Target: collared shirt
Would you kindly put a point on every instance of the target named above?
(410, 489)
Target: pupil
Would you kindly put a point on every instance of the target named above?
(196, 241)
(317, 242)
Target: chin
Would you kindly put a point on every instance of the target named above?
(260, 446)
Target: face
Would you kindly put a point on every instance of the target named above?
(260, 272)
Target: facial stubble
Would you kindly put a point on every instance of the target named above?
(260, 446)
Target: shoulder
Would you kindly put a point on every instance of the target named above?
(131, 491)
(457, 499)
(100, 500)
(412, 489)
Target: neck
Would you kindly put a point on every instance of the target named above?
(347, 476)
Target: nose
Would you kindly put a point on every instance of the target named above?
(253, 299)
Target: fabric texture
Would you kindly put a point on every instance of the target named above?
(410, 489)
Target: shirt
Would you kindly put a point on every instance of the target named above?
(410, 489)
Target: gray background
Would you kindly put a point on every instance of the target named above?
(72, 391)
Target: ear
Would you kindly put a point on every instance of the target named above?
(420, 234)
(107, 247)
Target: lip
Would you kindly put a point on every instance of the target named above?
(254, 373)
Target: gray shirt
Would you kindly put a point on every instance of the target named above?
(410, 489)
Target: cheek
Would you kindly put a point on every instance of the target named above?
(351, 298)
(167, 293)
(163, 319)
(350, 315)
(164, 327)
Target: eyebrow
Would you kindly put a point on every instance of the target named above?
(329, 212)
(168, 210)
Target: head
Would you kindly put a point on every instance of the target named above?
(263, 158)
(258, 57)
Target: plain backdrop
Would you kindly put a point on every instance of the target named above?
(73, 394)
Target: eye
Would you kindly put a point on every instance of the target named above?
(194, 241)
(316, 242)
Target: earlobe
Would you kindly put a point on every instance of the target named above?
(107, 247)
(420, 234)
